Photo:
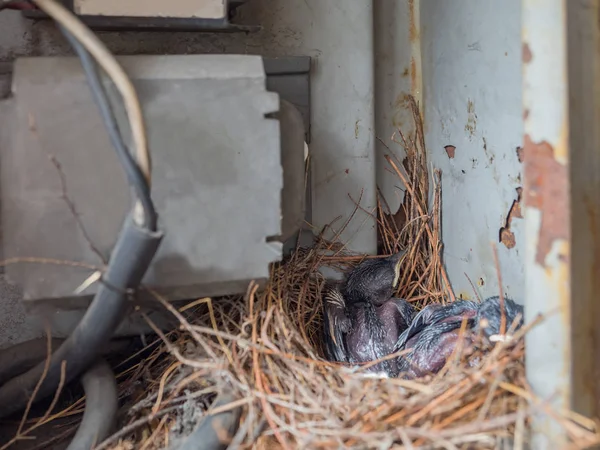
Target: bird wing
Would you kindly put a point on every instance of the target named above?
(406, 310)
(436, 313)
(336, 323)
(490, 314)
(420, 321)
(433, 346)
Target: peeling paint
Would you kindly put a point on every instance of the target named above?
(450, 151)
(546, 189)
(520, 154)
(507, 236)
(471, 125)
(490, 155)
(414, 34)
(516, 207)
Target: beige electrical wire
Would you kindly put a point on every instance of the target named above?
(110, 65)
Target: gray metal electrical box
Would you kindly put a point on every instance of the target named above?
(217, 174)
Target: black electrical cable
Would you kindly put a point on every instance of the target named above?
(135, 248)
(134, 175)
(21, 357)
(101, 405)
(129, 261)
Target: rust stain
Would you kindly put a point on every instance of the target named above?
(347, 171)
(525, 114)
(405, 73)
(413, 73)
(464, 296)
(546, 189)
(450, 151)
(515, 210)
(507, 237)
(413, 30)
(520, 154)
(471, 125)
(489, 154)
(400, 106)
(402, 100)
(527, 55)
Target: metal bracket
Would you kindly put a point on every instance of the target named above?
(115, 23)
(290, 78)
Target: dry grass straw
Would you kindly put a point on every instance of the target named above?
(265, 347)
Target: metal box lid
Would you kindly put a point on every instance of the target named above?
(217, 175)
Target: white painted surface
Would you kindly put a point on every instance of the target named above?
(548, 363)
(471, 62)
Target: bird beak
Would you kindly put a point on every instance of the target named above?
(332, 331)
(396, 274)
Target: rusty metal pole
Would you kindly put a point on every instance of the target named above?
(561, 57)
(546, 197)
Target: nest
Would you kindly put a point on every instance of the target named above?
(265, 348)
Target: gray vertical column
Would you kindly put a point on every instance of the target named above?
(546, 196)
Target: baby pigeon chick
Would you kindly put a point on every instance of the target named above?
(489, 317)
(435, 331)
(433, 336)
(362, 320)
